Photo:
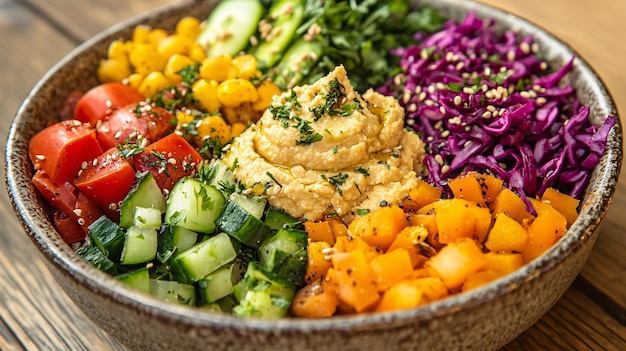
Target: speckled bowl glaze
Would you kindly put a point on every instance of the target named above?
(483, 319)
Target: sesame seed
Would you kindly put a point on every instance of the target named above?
(118, 134)
(487, 71)
(543, 66)
(276, 189)
(430, 138)
(171, 161)
(40, 157)
(468, 90)
(491, 108)
(445, 134)
(431, 88)
(486, 114)
(445, 169)
(534, 48)
(247, 191)
(410, 122)
(422, 96)
(112, 206)
(94, 162)
(459, 66)
(442, 109)
(541, 100)
(418, 89)
(440, 86)
(438, 125)
(78, 212)
(525, 94)
(412, 108)
(429, 102)
(424, 54)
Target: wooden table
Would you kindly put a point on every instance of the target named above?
(36, 314)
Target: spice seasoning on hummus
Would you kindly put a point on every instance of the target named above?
(323, 149)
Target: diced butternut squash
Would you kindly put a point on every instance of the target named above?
(318, 262)
(468, 188)
(402, 295)
(490, 185)
(433, 288)
(391, 268)
(507, 235)
(353, 280)
(510, 203)
(338, 227)
(320, 231)
(457, 261)
(567, 205)
(316, 300)
(422, 195)
(544, 231)
(408, 239)
(504, 262)
(461, 219)
(379, 228)
(480, 278)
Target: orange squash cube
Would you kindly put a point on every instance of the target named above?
(391, 268)
(457, 261)
(506, 235)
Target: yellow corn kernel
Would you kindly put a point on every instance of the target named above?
(243, 66)
(205, 92)
(234, 92)
(145, 59)
(188, 26)
(197, 53)
(134, 80)
(175, 44)
(237, 128)
(153, 83)
(182, 119)
(215, 67)
(174, 65)
(118, 50)
(240, 114)
(140, 34)
(267, 89)
(113, 70)
(212, 127)
(156, 36)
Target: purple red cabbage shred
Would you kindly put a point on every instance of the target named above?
(487, 102)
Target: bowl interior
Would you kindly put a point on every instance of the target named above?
(77, 72)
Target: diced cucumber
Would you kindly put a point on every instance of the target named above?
(173, 291)
(230, 26)
(147, 217)
(285, 16)
(296, 63)
(220, 175)
(253, 205)
(107, 236)
(194, 205)
(138, 279)
(140, 245)
(203, 258)
(95, 256)
(146, 193)
(278, 219)
(174, 239)
(215, 286)
(264, 294)
(242, 225)
(284, 253)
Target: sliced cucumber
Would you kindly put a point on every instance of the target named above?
(108, 237)
(264, 294)
(285, 16)
(173, 291)
(203, 258)
(284, 253)
(194, 205)
(146, 193)
(296, 63)
(174, 239)
(253, 205)
(277, 219)
(230, 26)
(242, 225)
(138, 279)
(95, 256)
(140, 245)
(147, 217)
(215, 286)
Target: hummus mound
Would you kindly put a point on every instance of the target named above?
(324, 148)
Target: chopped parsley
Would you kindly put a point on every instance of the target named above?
(335, 102)
(337, 180)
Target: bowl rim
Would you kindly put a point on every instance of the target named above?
(63, 257)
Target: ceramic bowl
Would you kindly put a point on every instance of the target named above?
(482, 319)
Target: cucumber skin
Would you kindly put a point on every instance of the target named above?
(194, 205)
(242, 226)
(269, 52)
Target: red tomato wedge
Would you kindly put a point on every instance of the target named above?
(70, 231)
(127, 123)
(60, 150)
(106, 181)
(69, 200)
(103, 99)
(168, 159)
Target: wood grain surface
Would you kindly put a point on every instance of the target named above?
(35, 314)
